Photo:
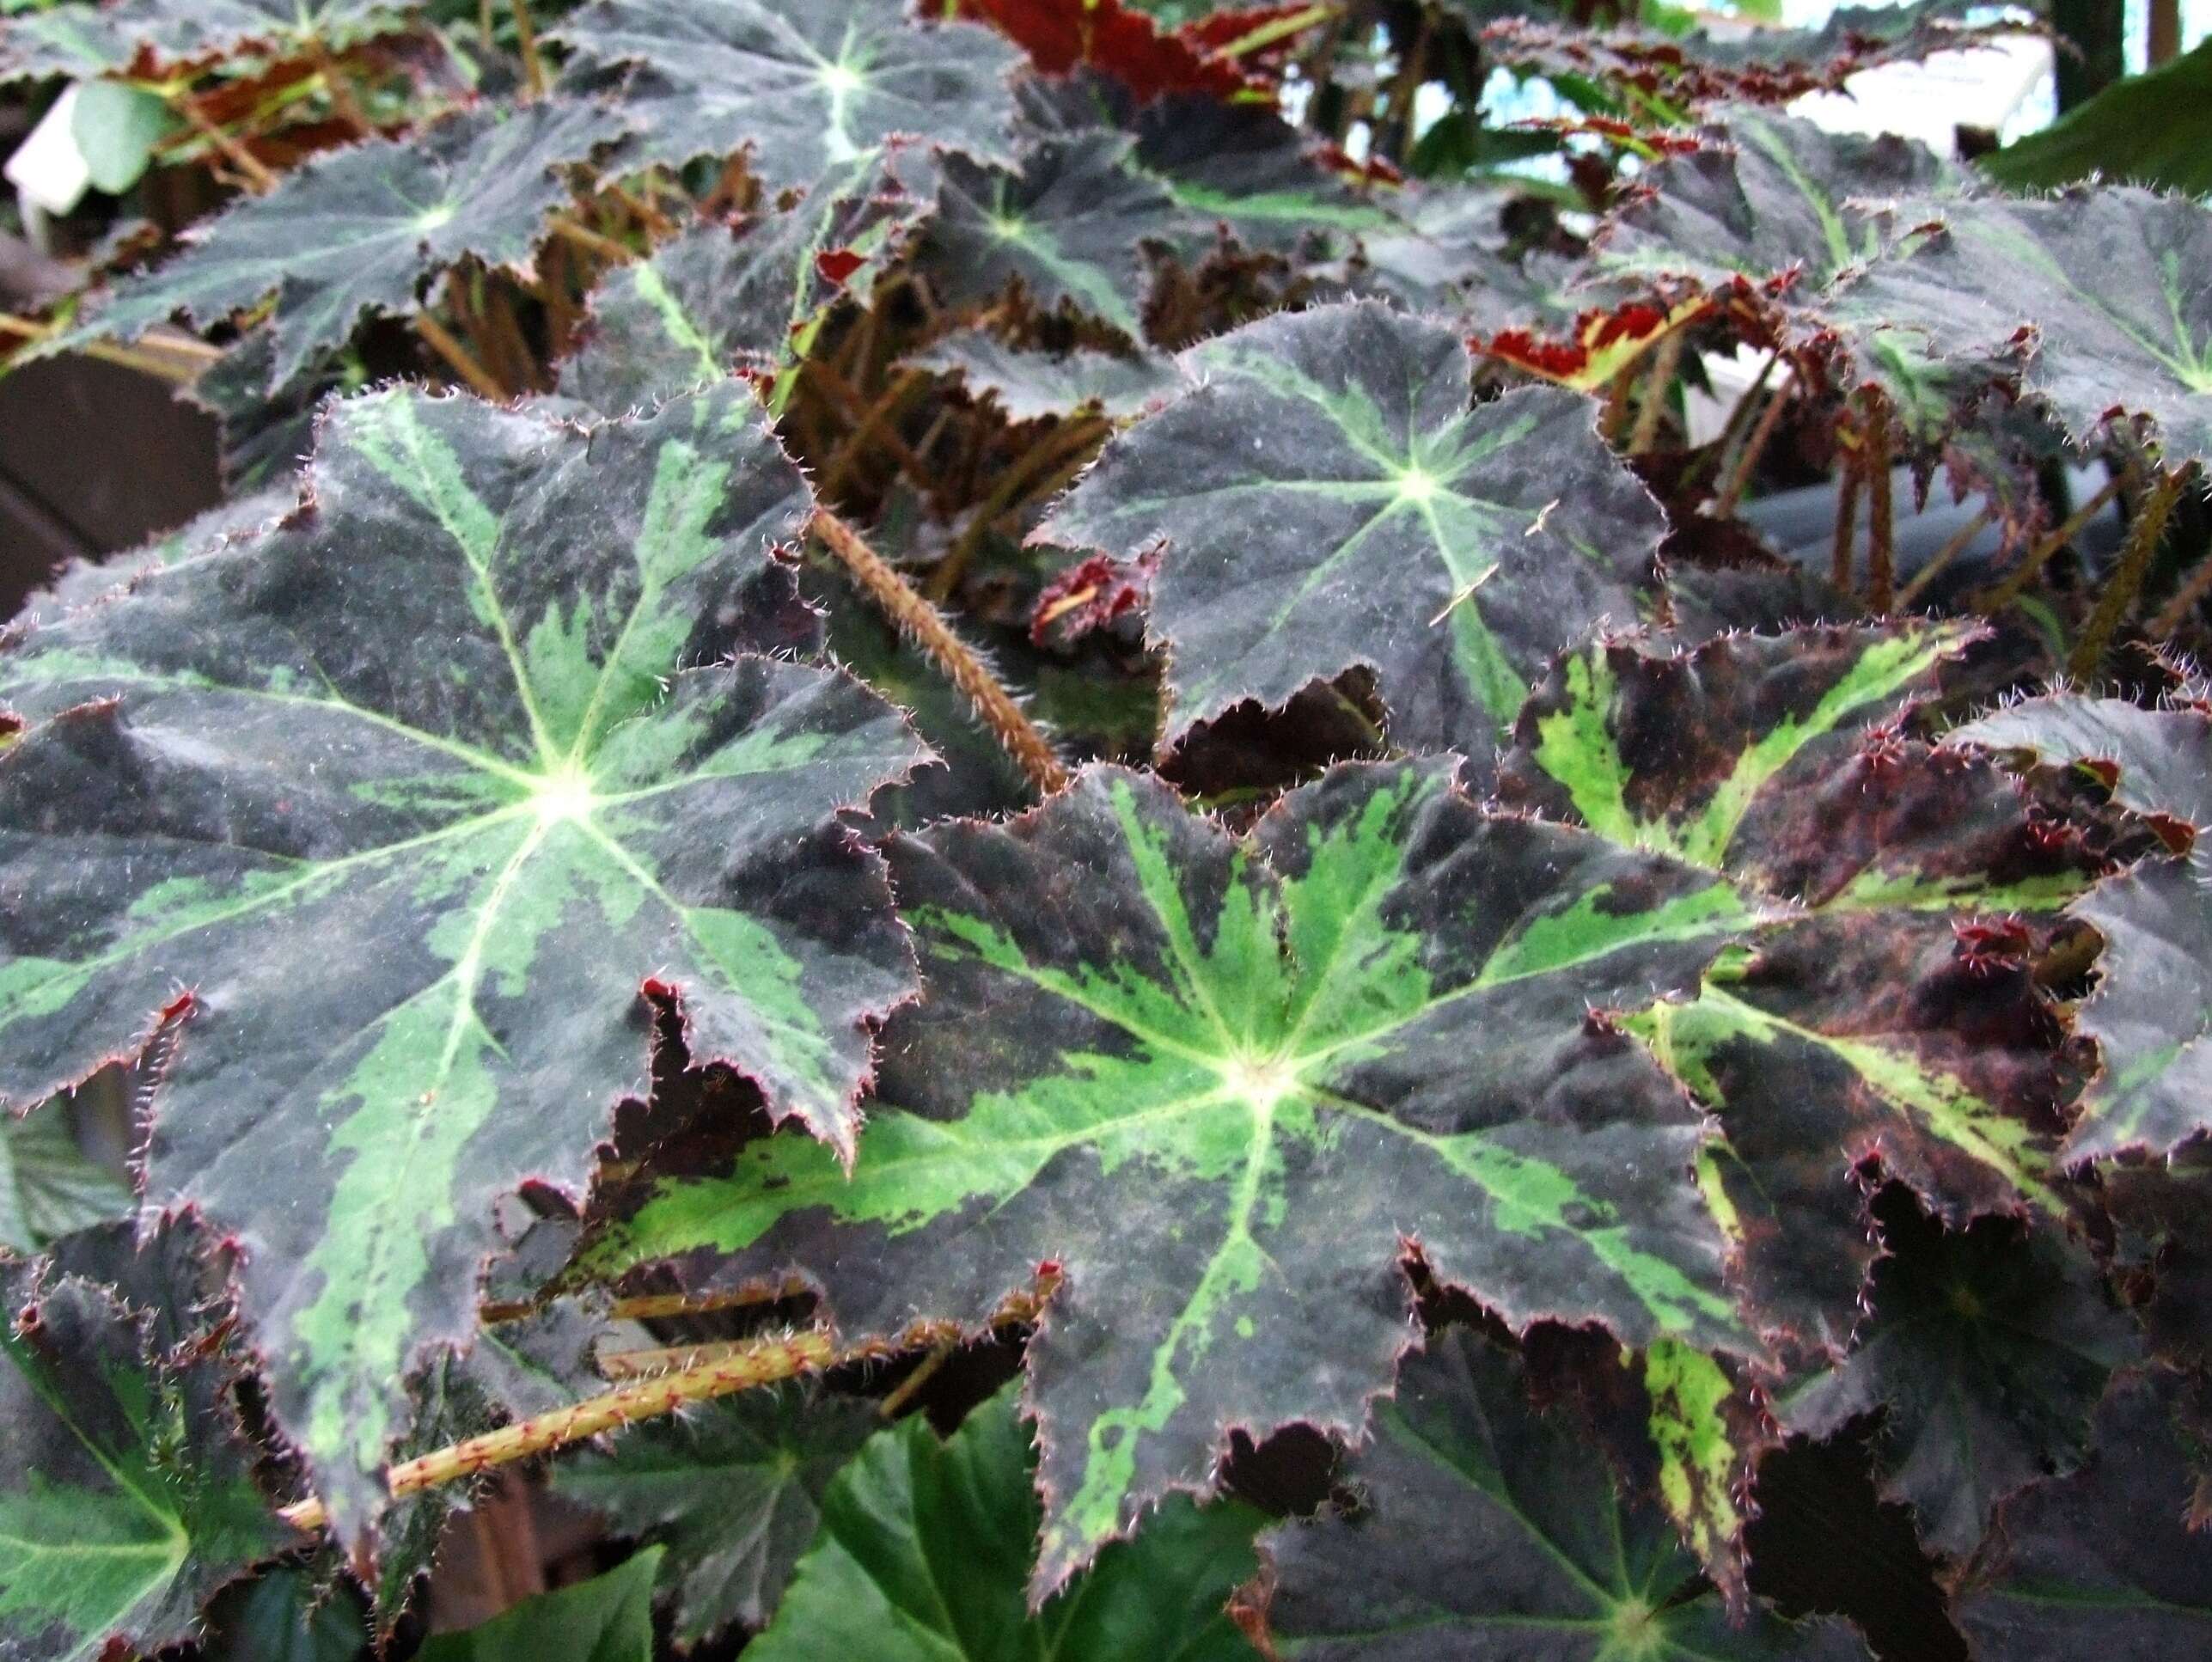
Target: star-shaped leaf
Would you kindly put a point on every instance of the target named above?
(1220, 1084)
(877, 1581)
(2151, 1014)
(1872, 1029)
(1768, 196)
(470, 712)
(1031, 386)
(1987, 1352)
(1544, 1558)
(152, 37)
(799, 86)
(734, 1490)
(126, 1495)
(1329, 500)
(716, 297)
(364, 229)
(2104, 1562)
(2106, 282)
(1072, 224)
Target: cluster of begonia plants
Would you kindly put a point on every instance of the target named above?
(997, 812)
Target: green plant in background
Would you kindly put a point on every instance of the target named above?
(1014, 788)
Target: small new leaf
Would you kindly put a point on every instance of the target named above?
(606, 1619)
(1987, 1352)
(2105, 1562)
(733, 1490)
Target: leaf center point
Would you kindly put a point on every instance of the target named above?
(1416, 484)
(564, 794)
(841, 79)
(1260, 1080)
(1635, 1628)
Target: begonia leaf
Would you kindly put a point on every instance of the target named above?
(473, 710)
(1986, 1354)
(1872, 1029)
(81, 39)
(799, 86)
(1031, 386)
(2105, 1562)
(127, 1491)
(1072, 223)
(2105, 285)
(2151, 1014)
(1769, 196)
(1544, 1559)
(609, 1618)
(877, 1580)
(1329, 499)
(716, 298)
(48, 1186)
(365, 229)
(1217, 1084)
(734, 1491)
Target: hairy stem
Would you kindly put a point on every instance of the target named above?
(2015, 585)
(2127, 579)
(1881, 509)
(1615, 421)
(924, 1370)
(584, 237)
(259, 178)
(712, 1371)
(764, 1362)
(1847, 518)
(526, 34)
(920, 622)
(886, 409)
(1959, 542)
(457, 358)
(1747, 461)
(2186, 599)
(1665, 362)
(1058, 446)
